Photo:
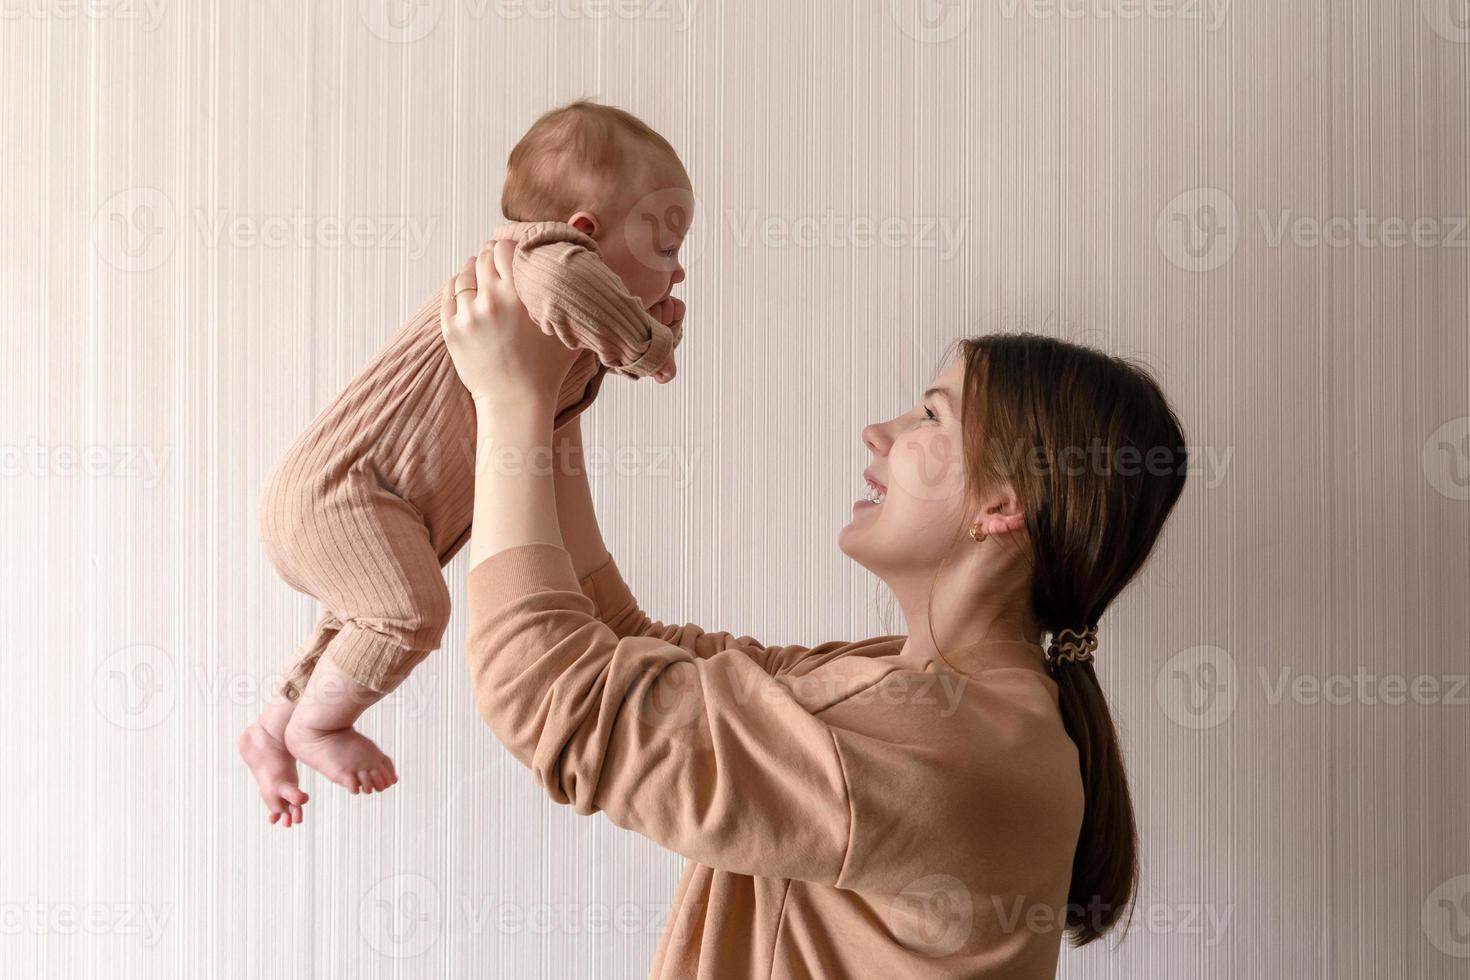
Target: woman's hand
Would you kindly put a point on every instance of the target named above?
(496, 347)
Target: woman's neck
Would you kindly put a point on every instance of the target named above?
(973, 656)
(993, 630)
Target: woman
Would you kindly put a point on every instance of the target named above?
(941, 804)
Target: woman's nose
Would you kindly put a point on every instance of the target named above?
(678, 275)
(875, 437)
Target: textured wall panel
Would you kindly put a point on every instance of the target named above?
(215, 213)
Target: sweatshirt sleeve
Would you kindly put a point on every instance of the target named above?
(571, 293)
(615, 605)
(710, 756)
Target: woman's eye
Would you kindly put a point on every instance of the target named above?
(928, 415)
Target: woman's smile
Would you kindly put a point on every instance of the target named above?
(874, 493)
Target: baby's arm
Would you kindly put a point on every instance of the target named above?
(571, 293)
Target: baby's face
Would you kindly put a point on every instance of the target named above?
(639, 237)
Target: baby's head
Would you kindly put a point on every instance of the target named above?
(606, 173)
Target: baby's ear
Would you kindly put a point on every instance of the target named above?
(586, 222)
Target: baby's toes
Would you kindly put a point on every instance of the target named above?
(345, 778)
(274, 805)
(365, 780)
(294, 795)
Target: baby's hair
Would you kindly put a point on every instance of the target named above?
(571, 157)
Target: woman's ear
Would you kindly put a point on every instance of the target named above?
(1001, 523)
(1002, 514)
(586, 222)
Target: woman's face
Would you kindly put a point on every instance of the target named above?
(918, 459)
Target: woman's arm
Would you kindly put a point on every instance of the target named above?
(515, 494)
(601, 580)
(531, 483)
(580, 532)
(822, 776)
(712, 757)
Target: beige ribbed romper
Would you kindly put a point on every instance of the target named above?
(375, 497)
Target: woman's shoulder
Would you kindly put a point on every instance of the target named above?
(871, 687)
(987, 755)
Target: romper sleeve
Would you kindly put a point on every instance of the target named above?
(710, 756)
(571, 293)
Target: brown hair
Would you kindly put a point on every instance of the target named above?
(571, 157)
(1029, 403)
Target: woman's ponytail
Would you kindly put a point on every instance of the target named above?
(1105, 864)
(1097, 459)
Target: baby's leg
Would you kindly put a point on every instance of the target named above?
(263, 744)
(263, 747)
(350, 540)
(319, 731)
(370, 558)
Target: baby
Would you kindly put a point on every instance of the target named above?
(368, 505)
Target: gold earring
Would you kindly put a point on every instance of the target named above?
(975, 531)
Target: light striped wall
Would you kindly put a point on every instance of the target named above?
(1114, 170)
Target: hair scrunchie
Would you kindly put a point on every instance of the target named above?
(1071, 646)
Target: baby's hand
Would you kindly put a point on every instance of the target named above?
(668, 311)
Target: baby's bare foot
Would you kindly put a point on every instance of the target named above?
(275, 774)
(345, 756)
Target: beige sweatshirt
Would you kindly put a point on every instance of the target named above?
(847, 811)
(375, 497)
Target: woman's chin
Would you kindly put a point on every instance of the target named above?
(852, 532)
